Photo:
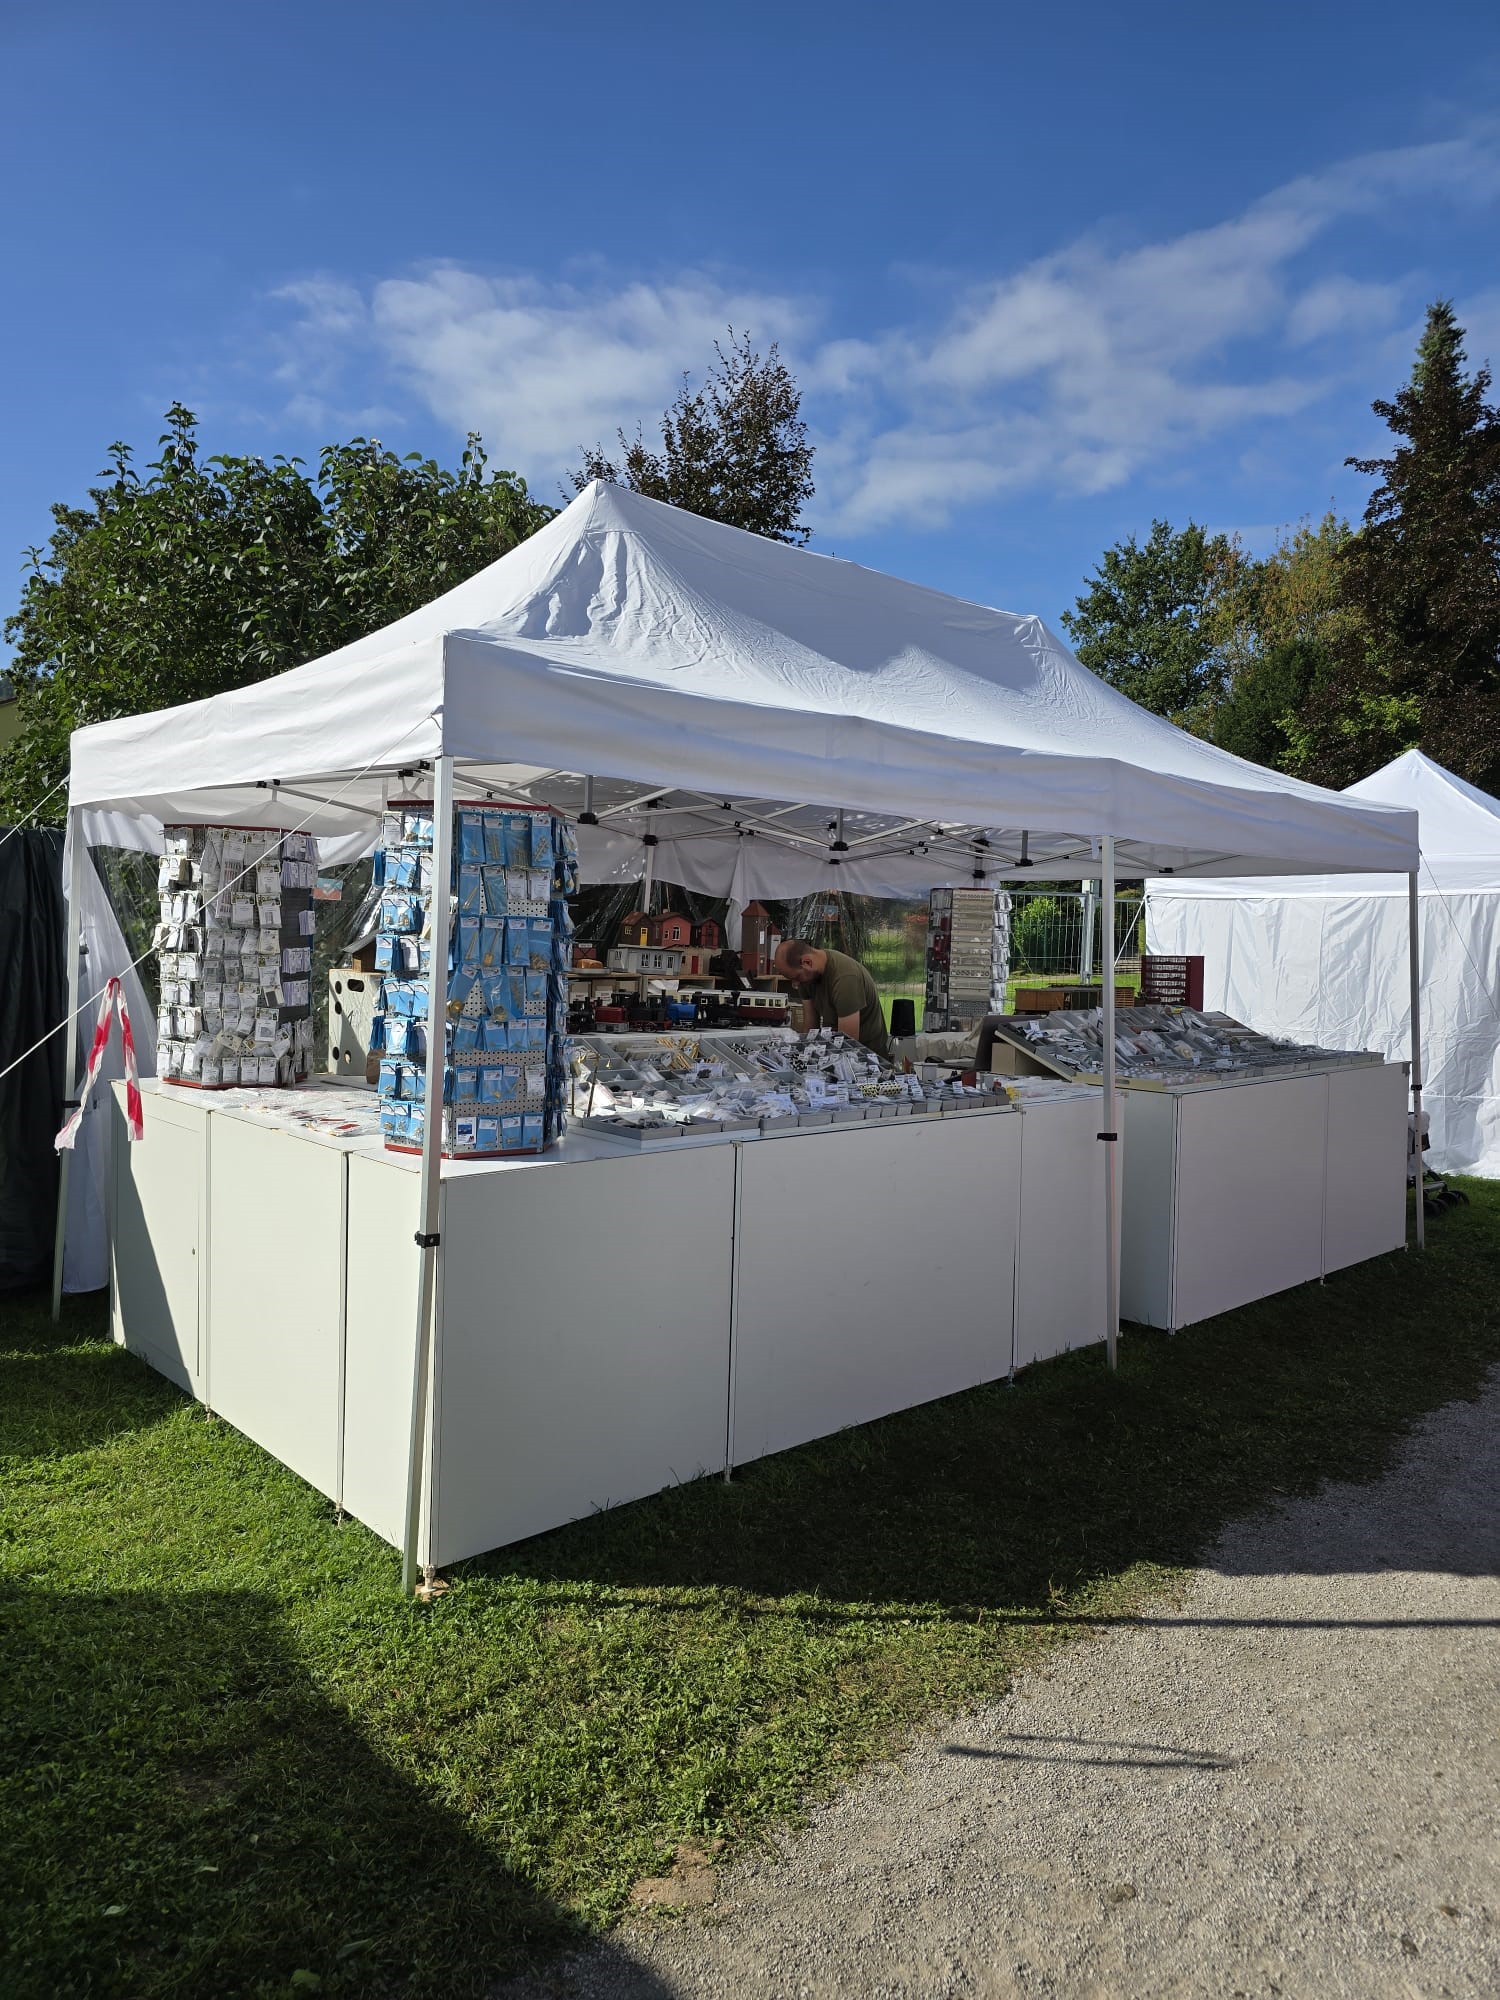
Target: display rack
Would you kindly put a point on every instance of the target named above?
(504, 1060)
(968, 949)
(234, 956)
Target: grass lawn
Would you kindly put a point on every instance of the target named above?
(234, 1762)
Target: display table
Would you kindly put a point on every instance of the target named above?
(1237, 1190)
(609, 1323)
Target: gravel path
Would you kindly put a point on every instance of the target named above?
(1287, 1783)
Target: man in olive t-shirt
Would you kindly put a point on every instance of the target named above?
(840, 991)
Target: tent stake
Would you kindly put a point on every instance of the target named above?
(1415, 948)
(1111, 1133)
(418, 1474)
(72, 1073)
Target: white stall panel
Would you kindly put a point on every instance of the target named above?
(1250, 1178)
(585, 1349)
(1367, 1118)
(276, 1238)
(1148, 1173)
(158, 1194)
(380, 1341)
(871, 1278)
(1060, 1258)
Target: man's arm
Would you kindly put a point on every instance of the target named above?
(848, 1024)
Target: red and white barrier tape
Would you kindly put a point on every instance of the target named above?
(111, 1002)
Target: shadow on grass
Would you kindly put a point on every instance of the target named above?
(1011, 1499)
(271, 1851)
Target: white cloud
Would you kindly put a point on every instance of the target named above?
(1069, 375)
(1342, 305)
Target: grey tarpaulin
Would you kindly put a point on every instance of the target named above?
(33, 995)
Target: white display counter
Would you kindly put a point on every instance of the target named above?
(1236, 1190)
(609, 1322)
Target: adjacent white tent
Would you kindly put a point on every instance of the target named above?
(1321, 959)
(743, 716)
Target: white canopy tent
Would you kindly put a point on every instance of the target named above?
(747, 718)
(1317, 958)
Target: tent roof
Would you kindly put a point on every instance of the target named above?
(1460, 839)
(717, 669)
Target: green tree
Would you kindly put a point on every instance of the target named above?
(1423, 579)
(734, 450)
(1154, 619)
(1285, 623)
(206, 574)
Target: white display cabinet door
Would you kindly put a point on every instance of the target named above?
(1249, 1218)
(1366, 1202)
(1060, 1257)
(380, 1341)
(584, 1357)
(275, 1280)
(155, 1246)
(876, 1272)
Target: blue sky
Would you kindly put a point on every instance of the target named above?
(1044, 273)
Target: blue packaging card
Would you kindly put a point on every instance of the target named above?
(416, 1040)
(541, 841)
(491, 944)
(466, 1033)
(512, 1133)
(465, 1082)
(539, 942)
(494, 837)
(471, 835)
(470, 890)
(466, 943)
(531, 1130)
(506, 832)
(401, 869)
(385, 954)
(487, 1134)
(497, 995)
(536, 992)
(416, 1125)
(393, 1123)
(377, 1033)
(400, 913)
(465, 1133)
(562, 917)
(418, 954)
(518, 942)
(416, 829)
(377, 869)
(498, 1035)
(460, 986)
(397, 1028)
(390, 1078)
(496, 892)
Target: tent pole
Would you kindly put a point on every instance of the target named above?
(1414, 945)
(418, 1474)
(1110, 1136)
(648, 879)
(70, 1042)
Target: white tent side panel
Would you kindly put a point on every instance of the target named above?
(1333, 970)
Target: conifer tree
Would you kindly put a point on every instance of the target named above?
(1423, 577)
